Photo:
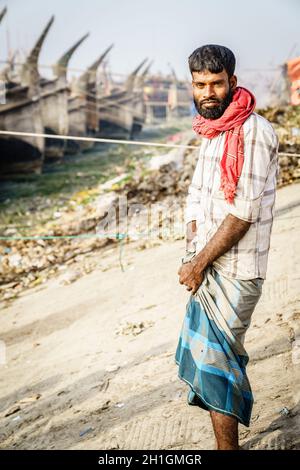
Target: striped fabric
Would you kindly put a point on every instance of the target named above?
(210, 352)
(254, 200)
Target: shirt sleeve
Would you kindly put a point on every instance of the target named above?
(193, 201)
(260, 159)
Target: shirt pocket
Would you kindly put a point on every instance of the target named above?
(242, 207)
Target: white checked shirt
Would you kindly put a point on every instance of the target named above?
(254, 200)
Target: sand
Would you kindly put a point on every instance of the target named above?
(71, 382)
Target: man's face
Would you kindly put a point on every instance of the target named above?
(212, 92)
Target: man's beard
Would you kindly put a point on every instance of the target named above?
(216, 111)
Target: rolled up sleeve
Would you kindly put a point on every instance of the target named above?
(193, 208)
(260, 157)
(193, 200)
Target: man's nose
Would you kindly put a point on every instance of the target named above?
(208, 92)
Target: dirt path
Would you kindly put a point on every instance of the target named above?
(71, 382)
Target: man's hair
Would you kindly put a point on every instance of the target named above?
(213, 58)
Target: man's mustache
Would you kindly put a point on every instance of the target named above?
(209, 101)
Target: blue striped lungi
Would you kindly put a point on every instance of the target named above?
(210, 352)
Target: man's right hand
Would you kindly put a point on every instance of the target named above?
(189, 277)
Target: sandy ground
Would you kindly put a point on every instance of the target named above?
(71, 382)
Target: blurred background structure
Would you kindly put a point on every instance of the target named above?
(81, 83)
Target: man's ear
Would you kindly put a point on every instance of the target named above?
(233, 82)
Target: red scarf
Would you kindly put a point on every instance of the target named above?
(240, 108)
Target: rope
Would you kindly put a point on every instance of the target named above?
(94, 139)
(116, 141)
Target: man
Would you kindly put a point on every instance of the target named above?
(229, 217)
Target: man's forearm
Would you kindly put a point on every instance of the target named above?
(228, 234)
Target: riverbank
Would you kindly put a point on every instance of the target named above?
(90, 363)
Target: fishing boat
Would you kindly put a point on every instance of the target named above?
(21, 112)
(117, 109)
(54, 101)
(139, 106)
(83, 107)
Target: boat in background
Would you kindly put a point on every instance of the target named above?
(83, 107)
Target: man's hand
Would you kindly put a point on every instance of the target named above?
(189, 277)
(231, 230)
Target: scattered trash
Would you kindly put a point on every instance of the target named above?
(292, 336)
(13, 410)
(134, 329)
(28, 400)
(244, 433)
(295, 131)
(70, 277)
(284, 411)
(178, 395)
(119, 405)
(23, 401)
(17, 418)
(86, 431)
(105, 385)
(254, 418)
(104, 406)
(112, 368)
(28, 263)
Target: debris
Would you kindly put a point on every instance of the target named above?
(86, 431)
(291, 335)
(77, 220)
(244, 433)
(134, 329)
(13, 410)
(27, 400)
(112, 368)
(23, 401)
(255, 418)
(284, 411)
(104, 406)
(17, 418)
(70, 277)
(105, 385)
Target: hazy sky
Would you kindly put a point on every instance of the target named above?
(262, 33)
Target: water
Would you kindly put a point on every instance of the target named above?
(25, 196)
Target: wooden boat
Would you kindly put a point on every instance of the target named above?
(139, 114)
(54, 104)
(116, 110)
(3, 13)
(82, 107)
(22, 113)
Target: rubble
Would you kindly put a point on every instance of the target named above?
(286, 122)
(65, 234)
(133, 328)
